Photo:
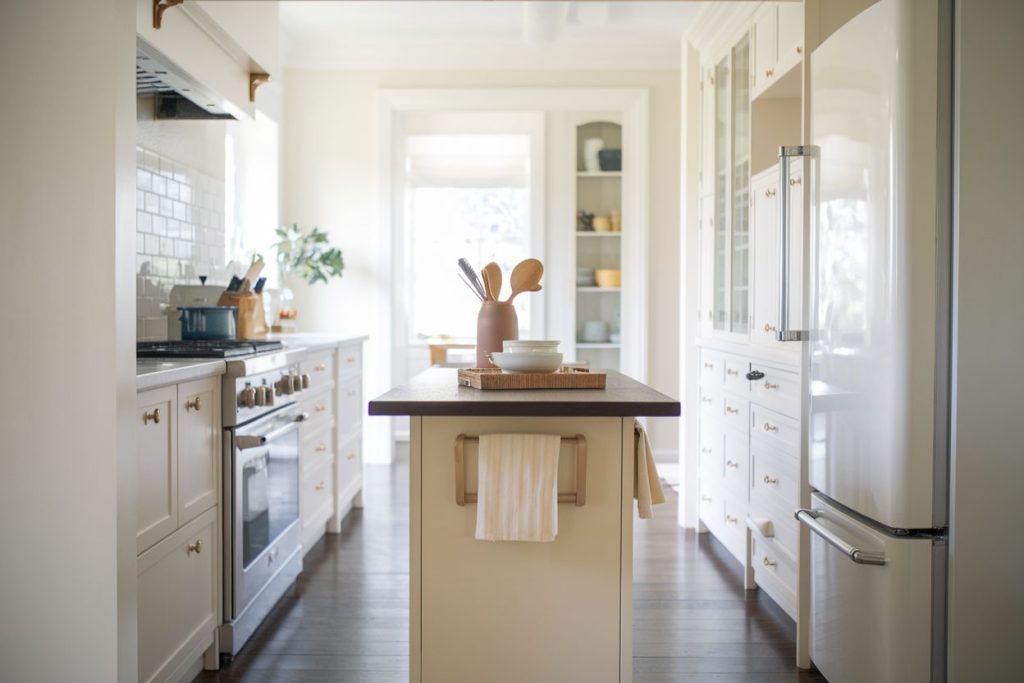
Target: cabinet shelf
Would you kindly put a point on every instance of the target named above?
(598, 174)
(593, 288)
(596, 345)
(594, 233)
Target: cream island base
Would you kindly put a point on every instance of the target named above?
(517, 612)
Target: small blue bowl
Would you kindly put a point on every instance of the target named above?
(610, 159)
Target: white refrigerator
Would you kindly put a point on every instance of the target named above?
(878, 232)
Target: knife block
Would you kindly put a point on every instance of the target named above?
(252, 322)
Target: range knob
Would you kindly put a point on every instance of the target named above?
(305, 381)
(268, 395)
(260, 396)
(296, 382)
(285, 384)
(247, 397)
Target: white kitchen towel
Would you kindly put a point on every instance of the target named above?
(517, 489)
(646, 486)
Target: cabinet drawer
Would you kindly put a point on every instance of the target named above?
(199, 447)
(736, 376)
(735, 462)
(178, 597)
(156, 467)
(736, 413)
(777, 429)
(350, 406)
(320, 406)
(712, 369)
(774, 571)
(710, 508)
(778, 390)
(315, 448)
(350, 462)
(776, 475)
(711, 404)
(350, 360)
(317, 499)
(319, 365)
(734, 526)
(785, 529)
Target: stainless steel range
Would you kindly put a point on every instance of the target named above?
(262, 533)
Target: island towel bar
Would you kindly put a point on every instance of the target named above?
(579, 498)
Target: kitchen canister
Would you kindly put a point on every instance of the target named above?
(591, 154)
(496, 323)
(595, 331)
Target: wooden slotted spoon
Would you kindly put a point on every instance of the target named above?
(526, 277)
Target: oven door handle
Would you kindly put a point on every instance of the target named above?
(245, 441)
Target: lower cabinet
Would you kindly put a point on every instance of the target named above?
(179, 594)
(749, 481)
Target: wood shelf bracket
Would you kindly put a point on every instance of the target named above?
(161, 6)
(255, 81)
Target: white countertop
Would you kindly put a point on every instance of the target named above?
(314, 340)
(154, 372)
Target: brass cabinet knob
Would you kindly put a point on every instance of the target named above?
(769, 427)
(794, 181)
(321, 486)
(732, 464)
(799, 50)
(153, 417)
(732, 411)
(350, 456)
(769, 563)
(769, 328)
(196, 547)
(769, 193)
(709, 366)
(705, 399)
(194, 404)
(769, 386)
(706, 499)
(768, 73)
(770, 480)
(319, 407)
(321, 448)
(729, 519)
(730, 371)
(320, 367)
(350, 359)
(706, 450)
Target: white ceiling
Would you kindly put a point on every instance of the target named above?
(466, 34)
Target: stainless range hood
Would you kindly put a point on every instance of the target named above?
(176, 95)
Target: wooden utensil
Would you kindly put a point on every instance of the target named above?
(492, 280)
(525, 276)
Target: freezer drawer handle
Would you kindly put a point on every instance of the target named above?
(809, 518)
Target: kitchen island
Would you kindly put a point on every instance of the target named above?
(513, 612)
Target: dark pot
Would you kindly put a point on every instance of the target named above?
(610, 159)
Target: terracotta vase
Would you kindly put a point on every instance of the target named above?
(496, 322)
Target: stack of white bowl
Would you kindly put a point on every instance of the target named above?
(522, 355)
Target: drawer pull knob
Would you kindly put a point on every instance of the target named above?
(770, 480)
(769, 563)
(196, 547)
(769, 193)
(320, 367)
(799, 50)
(794, 181)
(709, 366)
(321, 448)
(769, 427)
(350, 359)
(733, 465)
(319, 407)
(706, 450)
(321, 486)
(350, 456)
(729, 519)
(732, 411)
(770, 387)
(706, 499)
(730, 371)
(153, 417)
(350, 393)
(194, 404)
(769, 328)
(705, 399)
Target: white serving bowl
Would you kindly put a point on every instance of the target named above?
(527, 345)
(527, 361)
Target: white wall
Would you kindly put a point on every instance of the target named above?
(66, 255)
(986, 610)
(330, 178)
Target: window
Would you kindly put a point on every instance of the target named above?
(467, 195)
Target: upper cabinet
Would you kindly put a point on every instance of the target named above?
(778, 43)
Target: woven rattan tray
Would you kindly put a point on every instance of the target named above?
(566, 378)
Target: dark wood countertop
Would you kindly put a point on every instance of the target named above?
(436, 392)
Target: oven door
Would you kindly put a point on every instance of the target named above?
(265, 531)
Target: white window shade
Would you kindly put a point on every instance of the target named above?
(468, 160)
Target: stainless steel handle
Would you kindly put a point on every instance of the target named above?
(785, 153)
(809, 518)
(245, 441)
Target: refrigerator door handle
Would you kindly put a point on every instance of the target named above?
(784, 334)
(809, 518)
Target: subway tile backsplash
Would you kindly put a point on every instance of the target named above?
(179, 235)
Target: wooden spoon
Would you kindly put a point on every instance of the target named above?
(492, 280)
(525, 276)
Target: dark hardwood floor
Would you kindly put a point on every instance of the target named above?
(345, 620)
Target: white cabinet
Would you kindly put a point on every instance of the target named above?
(156, 466)
(178, 457)
(199, 447)
(778, 42)
(707, 265)
(178, 598)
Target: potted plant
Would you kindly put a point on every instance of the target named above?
(306, 254)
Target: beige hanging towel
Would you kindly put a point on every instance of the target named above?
(517, 491)
(646, 486)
